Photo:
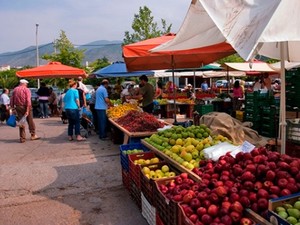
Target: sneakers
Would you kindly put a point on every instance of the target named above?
(35, 137)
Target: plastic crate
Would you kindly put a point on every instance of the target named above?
(166, 208)
(124, 157)
(148, 185)
(135, 170)
(158, 219)
(293, 130)
(126, 179)
(148, 211)
(203, 109)
(135, 195)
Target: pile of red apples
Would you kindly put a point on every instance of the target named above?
(230, 185)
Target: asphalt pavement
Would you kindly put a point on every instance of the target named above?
(54, 181)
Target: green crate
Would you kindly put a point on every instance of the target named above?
(203, 109)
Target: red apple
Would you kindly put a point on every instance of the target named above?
(247, 176)
(187, 198)
(206, 219)
(274, 190)
(213, 198)
(251, 168)
(193, 218)
(195, 203)
(201, 211)
(234, 197)
(292, 187)
(202, 195)
(235, 216)
(285, 192)
(213, 210)
(184, 175)
(237, 207)
(252, 197)
(246, 221)
(220, 191)
(282, 182)
(243, 192)
(270, 175)
(245, 201)
(226, 219)
(262, 193)
(262, 204)
(258, 185)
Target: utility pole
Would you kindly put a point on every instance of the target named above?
(37, 49)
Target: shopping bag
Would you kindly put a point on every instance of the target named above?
(11, 121)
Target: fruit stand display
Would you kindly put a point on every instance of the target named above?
(135, 124)
(184, 106)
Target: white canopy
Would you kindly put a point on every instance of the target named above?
(288, 65)
(251, 67)
(203, 74)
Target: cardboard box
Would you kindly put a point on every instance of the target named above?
(273, 203)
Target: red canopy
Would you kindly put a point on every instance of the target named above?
(52, 70)
(137, 56)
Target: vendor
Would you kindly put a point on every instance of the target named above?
(128, 91)
(190, 93)
(146, 93)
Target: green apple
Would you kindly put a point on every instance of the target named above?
(165, 168)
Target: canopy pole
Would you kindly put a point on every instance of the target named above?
(282, 112)
(37, 51)
(174, 89)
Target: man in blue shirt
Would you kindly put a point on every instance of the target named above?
(101, 105)
(204, 86)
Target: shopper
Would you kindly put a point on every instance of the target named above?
(21, 102)
(102, 104)
(53, 102)
(71, 105)
(4, 105)
(44, 93)
(237, 95)
(204, 86)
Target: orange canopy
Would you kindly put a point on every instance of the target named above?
(52, 70)
(138, 56)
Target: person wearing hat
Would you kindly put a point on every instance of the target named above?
(101, 105)
(21, 102)
(190, 93)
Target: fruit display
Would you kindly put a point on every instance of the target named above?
(143, 161)
(120, 110)
(157, 172)
(116, 102)
(132, 151)
(290, 212)
(136, 121)
(230, 185)
(184, 101)
(162, 101)
(185, 145)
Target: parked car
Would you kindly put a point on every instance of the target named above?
(221, 83)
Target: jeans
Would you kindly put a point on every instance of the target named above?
(74, 121)
(44, 109)
(102, 121)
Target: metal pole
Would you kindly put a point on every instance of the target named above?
(37, 49)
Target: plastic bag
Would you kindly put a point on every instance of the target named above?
(12, 121)
(22, 121)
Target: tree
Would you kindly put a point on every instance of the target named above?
(65, 52)
(144, 27)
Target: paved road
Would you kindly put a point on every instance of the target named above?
(53, 181)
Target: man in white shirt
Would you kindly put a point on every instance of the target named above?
(82, 85)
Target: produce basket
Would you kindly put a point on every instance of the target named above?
(135, 194)
(148, 211)
(148, 185)
(126, 179)
(124, 157)
(134, 169)
(166, 208)
(293, 130)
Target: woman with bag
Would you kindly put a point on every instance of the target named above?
(4, 105)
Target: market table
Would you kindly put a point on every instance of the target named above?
(128, 135)
(178, 166)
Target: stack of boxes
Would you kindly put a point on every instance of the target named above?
(293, 88)
(262, 112)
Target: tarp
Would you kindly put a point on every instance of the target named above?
(52, 70)
(252, 68)
(138, 57)
(118, 69)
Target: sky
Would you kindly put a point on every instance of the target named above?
(83, 21)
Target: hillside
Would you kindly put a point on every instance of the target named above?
(112, 50)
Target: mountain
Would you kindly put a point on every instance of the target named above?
(112, 50)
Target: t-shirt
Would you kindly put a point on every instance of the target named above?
(101, 94)
(147, 92)
(70, 99)
(238, 92)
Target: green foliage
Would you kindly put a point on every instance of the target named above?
(144, 27)
(65, 52)
(8, 79)
(231, 58)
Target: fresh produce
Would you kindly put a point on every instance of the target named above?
(230, 185)
(290, 212)
(185, 145)
(132, 151)
(157, 172)
(146, 161)
(120, 110)
(136, 121)
(116, 102)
